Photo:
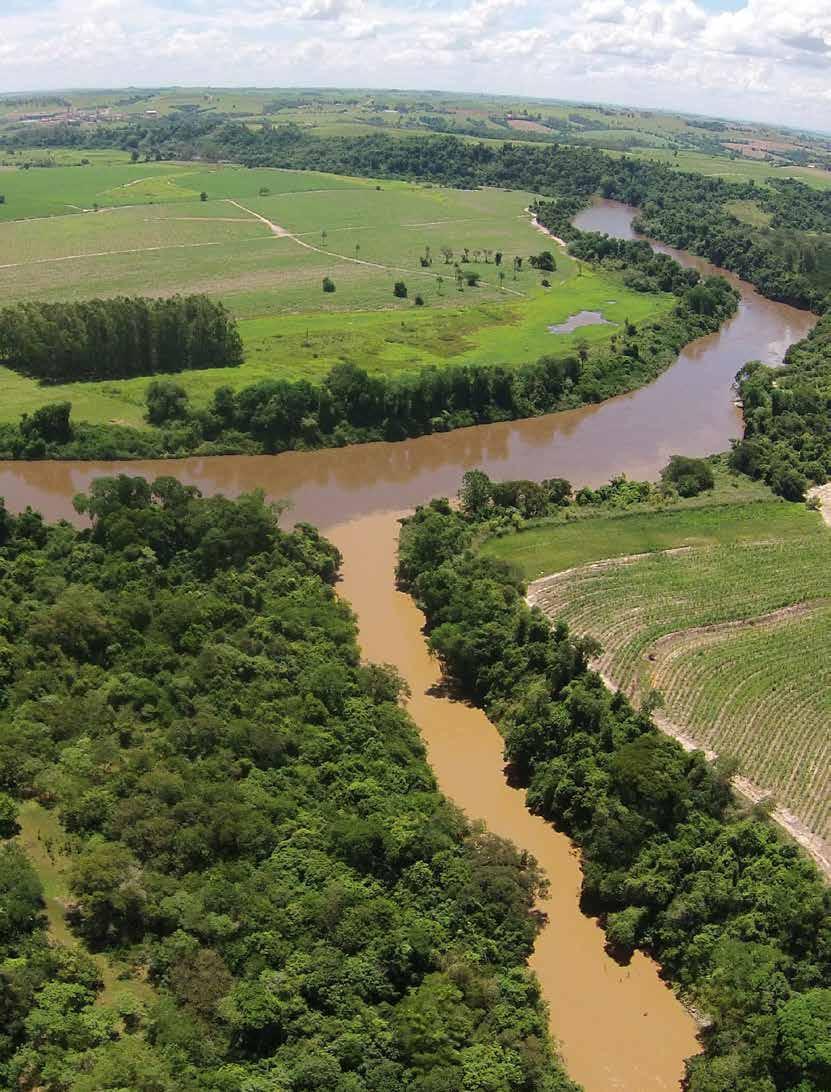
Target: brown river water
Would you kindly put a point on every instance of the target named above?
(619, 1028)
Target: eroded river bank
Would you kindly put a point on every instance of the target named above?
(619, 1028)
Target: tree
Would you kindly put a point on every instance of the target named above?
(50, 423)
(447, 254)
(9, 825)
(203, 196)
(107, 880)
(788, 482)
(167, 401)
(328, 284)
(399, 290)
(688, 476)
(543, 261)
(475, 493)
(472, 278)
(804, 1025)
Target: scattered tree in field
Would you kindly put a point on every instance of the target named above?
(399, 290)
(440, 285)
(544, 261)
(545, 282)
(264, 191)
(328, 284)
(447, 254)
(498, 257)
(687, 476)
(501, 276)
(472, 277)
(203, 196)
(323, 237)
(419, 301)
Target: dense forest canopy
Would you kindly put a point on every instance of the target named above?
(251, 821)
(740, 922)
(787, 415)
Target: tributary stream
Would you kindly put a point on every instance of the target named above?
(619, 1028)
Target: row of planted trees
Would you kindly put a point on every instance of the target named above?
(117, 338)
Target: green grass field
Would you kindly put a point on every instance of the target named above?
(724, 609)
(156, 237)
(735, 170)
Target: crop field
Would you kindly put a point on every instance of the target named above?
(152, 235)
(725, 610)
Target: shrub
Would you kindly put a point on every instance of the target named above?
(419, 301)
(166, 401)
(688, 476)
(399, 290)
(543, 260)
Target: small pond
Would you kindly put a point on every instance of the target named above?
(582, 318)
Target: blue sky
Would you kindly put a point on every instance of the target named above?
(759, 59)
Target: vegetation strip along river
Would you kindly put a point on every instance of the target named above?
(619, 1027)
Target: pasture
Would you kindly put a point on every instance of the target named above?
(735, 170)
(154, 236)
(724, 609)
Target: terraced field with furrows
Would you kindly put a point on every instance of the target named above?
(735, 638)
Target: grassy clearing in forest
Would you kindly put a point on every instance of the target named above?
(44, 842)
(732, 628)
(364, 235)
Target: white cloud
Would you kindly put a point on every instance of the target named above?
(766, 59)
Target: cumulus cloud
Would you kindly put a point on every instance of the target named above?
(768, 59)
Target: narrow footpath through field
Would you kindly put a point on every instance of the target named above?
(282, 233)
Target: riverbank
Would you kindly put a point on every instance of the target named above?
(671, 865)
(355, 493)
(647, 1033)
(351, 405)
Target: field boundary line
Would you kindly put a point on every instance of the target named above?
(282, 232)
(536, 587)
(138, 250)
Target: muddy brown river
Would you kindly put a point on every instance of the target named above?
(619, 1028)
